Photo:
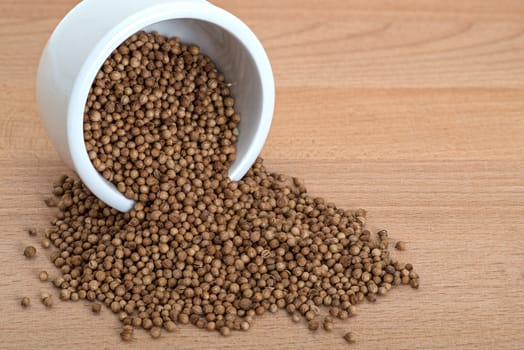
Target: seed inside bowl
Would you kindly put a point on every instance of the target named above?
(158, 109)
(197, 248)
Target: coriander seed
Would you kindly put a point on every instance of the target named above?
(313, 324)
(328, 324)
(170, 326)
(349, 337)
(65, 294)
(30, 251)
(155, 332)
(45, 243)
(51, 202)
(47, 300)
(43, 276)
(96, 308)
(225, 331)
(127, 333)
(25, 302)
(400, 245)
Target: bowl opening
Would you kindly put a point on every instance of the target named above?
(227, 41)
(234, 60)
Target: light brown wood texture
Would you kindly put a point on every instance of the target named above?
(412, 109)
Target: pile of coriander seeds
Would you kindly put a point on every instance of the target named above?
(198, 248)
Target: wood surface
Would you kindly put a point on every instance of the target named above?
(412, 109)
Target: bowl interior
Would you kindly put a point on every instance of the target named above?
(228, 41)
(236, 63)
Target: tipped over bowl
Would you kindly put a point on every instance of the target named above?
(90, 32)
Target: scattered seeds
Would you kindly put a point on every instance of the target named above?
(29, 251)
(197, 248)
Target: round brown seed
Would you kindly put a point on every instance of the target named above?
(96, 308)
(170, 326)
(29, 251)
(328, 325)
(47, 301)
(25, 302)
(127, 333)
(43, 276)
(155, 332)
(400, 245)
(349, 337)
(313, 324)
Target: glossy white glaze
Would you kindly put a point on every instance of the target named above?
(94, 28)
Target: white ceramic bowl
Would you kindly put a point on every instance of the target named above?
(94, 28)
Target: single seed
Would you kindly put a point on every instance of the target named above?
(328, 324)
(155, 332)
(43, 276)
(400, 245)
(32, 231)
(170, 326)
(65, 294)
(349, 337)
(194, 50)
(51, 202)
(47, 301)
(352, 310)
(30, 251)
(45, 243)
(96, 308)
(313, 324)
(127, 333)
(25, 302)
(225, 331)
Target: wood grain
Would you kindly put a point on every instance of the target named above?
(411, 109)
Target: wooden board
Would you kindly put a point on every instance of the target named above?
(411, 109)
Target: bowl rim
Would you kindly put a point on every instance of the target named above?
(204, 11)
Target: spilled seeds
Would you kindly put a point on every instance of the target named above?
(197, 248)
